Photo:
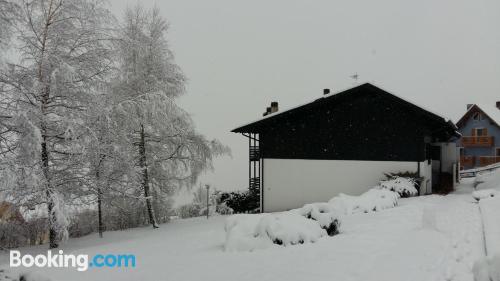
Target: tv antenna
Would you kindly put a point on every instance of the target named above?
(355, 77)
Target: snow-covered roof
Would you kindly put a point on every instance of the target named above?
(490, 110)
(272, 115)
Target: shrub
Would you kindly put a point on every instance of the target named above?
(406, 184)
(241, 202)
(189, 210)
(12, 235)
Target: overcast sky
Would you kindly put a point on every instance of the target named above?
(241, 55)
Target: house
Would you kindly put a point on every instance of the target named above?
(480, 142)
(344, 143)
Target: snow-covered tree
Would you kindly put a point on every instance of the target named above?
(63, 54)
(169, 152)
(9, 11)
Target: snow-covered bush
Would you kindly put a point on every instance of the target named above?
(485, 193)
(404, 186)
(223, 209)
(289, 228)
(188, 211)
(241, 233)
(325, 214)
(371, 201)
(302, 225)
(247, 232)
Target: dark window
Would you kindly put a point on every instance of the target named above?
(481, 132)
(476, 116)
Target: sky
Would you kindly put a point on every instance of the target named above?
(240, 56)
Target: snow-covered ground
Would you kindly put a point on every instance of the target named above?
(424, 238)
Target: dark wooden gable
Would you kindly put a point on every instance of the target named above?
(360, 124)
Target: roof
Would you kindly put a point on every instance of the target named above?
(251, 127)
(491, 111)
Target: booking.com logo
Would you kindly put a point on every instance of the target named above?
(80, 262)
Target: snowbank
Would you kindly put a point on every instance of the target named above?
(405, 187)
(241, 233)
(485, 193)
(371, 201)
(488, 180)
(487, 269)
(488, 195)
(490, 211)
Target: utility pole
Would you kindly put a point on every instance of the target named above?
(208, 188)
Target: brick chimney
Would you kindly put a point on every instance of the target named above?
(326, 91)
(498, 104)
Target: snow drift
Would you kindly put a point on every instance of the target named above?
(485, 193)
(371, 201)
(488, 195)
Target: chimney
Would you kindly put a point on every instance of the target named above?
(326, 91)
(274, 107)
(268, 111)
(469, 106)
(498, 105)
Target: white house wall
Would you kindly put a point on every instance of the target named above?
(291, 183)
(449, 155)
(426, 173)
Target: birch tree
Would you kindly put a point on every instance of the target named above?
(169, 152)
(62, 54)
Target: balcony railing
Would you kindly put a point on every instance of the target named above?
(254, 153)
(488, 160)
(255, 183)
(467, 161)
(484, 141)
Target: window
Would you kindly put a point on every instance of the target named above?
(477, 116)
(479, 132)
(497, 151)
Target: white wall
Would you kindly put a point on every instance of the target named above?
(449, 155)
(426, 173)
(291, 183)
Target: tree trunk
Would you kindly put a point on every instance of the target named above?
(50, 203)
(99, 207)
(53, 243)
(145, 178)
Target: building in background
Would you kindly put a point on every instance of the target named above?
(345, 143)
(480, 142)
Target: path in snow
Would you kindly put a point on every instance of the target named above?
(425, 238)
